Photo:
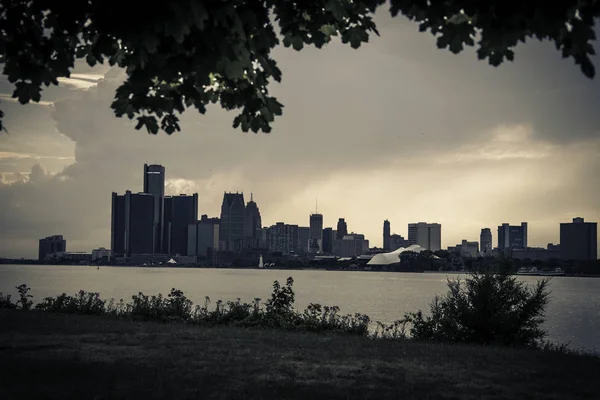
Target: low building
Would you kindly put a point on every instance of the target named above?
(70, 256)
(535, 254)
(397, 241)
(352, 245)
(101, 254)
(466, 248)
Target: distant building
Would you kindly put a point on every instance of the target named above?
(466, 249)
(281, 238)
(203, 237)
(485, 238)
(50, 245)
(101, 254)
(352, 245)
(512, 236)
(535, 254)
(397, 241)
(386, 236)
(233, 211)
(328, 238)
(428, 236)
(579, 240)
(180, 212)
(302, 244)
(132, 224)
(252, 225)
(154, 184)
(70, 256)
(117, 225)
(342, 229)
(315, 236)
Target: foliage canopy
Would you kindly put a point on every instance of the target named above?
(189, 53)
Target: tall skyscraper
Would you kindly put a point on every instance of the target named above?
(139, 223)
(252, 225)
(203, 237)
(231, 231)
(579, 240)
(154, 184)
(386, 235)
(485, 239)
(180, 211)
(342, 229)
(512, 236)
(117, 225)
(303, 235)
(328, 238)
(282, 238)
(50, 245)
(428, 236)
(315, 238)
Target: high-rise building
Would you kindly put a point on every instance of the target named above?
(231, 232)
(397, 241)
(117, 225)
(252, 225)
(154, 184)
(315, 238)
(302, 243)
(352, 245)
(386, 236)
(512, 236)
(466, 249)
(50, 245)
(579, 240)
(328, 238)
(342, 229)
(281, 238)
(428, 236)
(139, 223)
(485, 238)
(203, 237)
(180, 212)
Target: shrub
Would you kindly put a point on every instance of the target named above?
(488, 308)
(86, 303)
(24, 302)
(5, 301)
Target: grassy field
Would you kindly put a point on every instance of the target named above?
(53, 356)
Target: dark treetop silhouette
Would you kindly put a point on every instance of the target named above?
(185, 53)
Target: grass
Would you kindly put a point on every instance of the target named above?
(57, 356)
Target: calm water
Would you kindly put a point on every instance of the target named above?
(573, 315)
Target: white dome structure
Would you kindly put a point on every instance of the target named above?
(394, 256)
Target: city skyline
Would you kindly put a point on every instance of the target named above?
(396, 130)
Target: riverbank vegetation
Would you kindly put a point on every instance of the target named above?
(489, 308)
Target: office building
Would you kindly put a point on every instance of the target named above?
(579, 240)
(154, 184)
(315, 236)
(328, 238)
(485, 238)
(352, 245)
(132, 224)
(465, 249)
(101, 254)
(252, 225)
(428, 236)
(386, 236)
(512, 236)
(203, 237)
(303, 235)
(180, 212)
(282, 238)
(342, 229)
(231, 232)
(397, 241)
(50, 245)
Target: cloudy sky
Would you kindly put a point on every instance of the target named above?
(397, 129)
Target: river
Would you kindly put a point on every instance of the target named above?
(573, 315)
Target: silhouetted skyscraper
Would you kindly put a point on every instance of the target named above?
(180, 211)
(328, 239)
(117, 225)
(386, 235)
(342, 229)
(231, 232)
(428, 236)
(315, 238)
(51, 244)
(154, 184)
(512, 237)
(203, 237)
(485, 239)
(252, 225)
(302, 243)
(579, 240)
(139, 223)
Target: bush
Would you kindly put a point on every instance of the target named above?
(5, 301)
(86, 303)
(488, 308)
(24, 303)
